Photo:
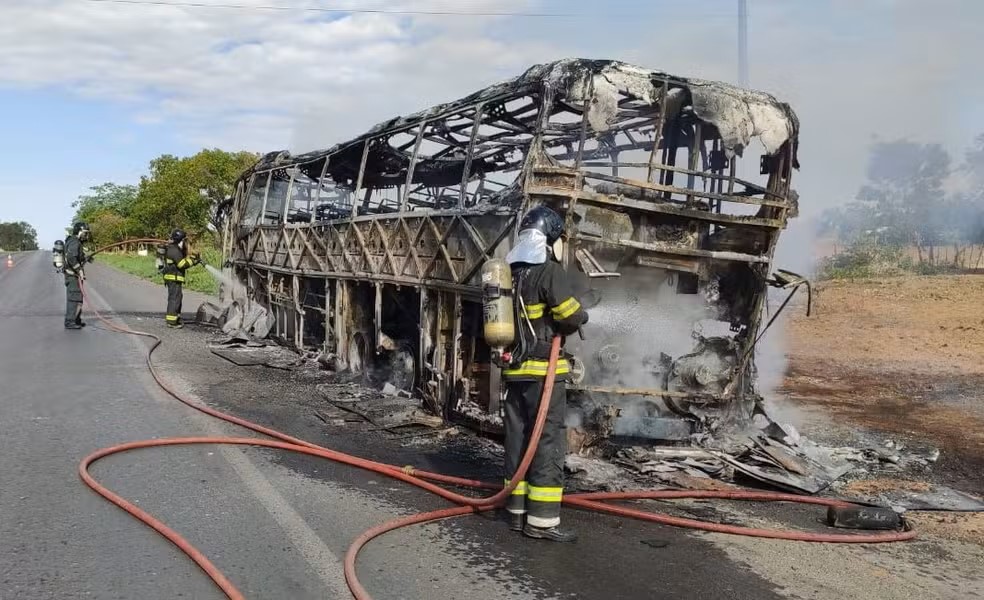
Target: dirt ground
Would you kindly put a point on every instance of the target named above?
(903, 357)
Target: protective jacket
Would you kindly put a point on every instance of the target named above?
(74, 256)
(75, 260)
(176, 262)
(547, 303)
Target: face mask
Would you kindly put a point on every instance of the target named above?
(558, 249)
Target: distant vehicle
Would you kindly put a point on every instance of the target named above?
(370, 249)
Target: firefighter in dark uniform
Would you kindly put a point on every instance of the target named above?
(176, 263)
(546, 307)
(75, 260)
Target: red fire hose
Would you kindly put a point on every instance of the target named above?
(423, 479)
(125, 242)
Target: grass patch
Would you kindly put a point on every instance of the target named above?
(866, 258)
(198, 279)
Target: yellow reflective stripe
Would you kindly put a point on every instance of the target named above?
(184, 263)
(171, 317)
(546, 494)
(538, 367)
(521, 488)
(535, 311)
(170, 277)
(566, 308)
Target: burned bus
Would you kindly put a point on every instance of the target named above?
(371, 250)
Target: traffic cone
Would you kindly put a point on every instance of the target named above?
(10, 261)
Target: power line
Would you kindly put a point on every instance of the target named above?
(383, 11)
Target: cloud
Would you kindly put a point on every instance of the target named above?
(263, 80)
(251, 78)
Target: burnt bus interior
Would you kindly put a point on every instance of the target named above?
(370, 250)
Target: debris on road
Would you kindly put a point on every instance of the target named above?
(250, 353)
(607, 453)
(911, 495)
(382, 410)
(863, 517)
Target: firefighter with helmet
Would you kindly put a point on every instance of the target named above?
(74, 270)
(546, 307)
(176, 263)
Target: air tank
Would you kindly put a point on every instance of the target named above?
(497, 305)
(161, 252)
(58, 255)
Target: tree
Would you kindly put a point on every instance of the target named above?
(110, 227)
(108, 208)
(903, 201)
(107, 196)
(912, 197)
(970, 211)
(186, 192)
(217, 172)
(905, 190)
(18, 236)
(176, 192)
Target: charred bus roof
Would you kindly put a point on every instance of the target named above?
(737, 115)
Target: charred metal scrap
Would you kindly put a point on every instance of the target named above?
(369, 251)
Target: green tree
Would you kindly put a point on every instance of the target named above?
(18, 236)
(109, 196)
(185, 192)
(108, 208)
(217, 172)
(176, 192)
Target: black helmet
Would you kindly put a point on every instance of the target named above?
(178, 235)
(79, 226)
(544, 220)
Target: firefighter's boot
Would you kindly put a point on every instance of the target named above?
(553, 534)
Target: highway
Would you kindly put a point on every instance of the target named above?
(277, 525)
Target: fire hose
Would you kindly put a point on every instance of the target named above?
(423, 479)
(126, 242)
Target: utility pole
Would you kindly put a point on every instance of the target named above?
(743, 43)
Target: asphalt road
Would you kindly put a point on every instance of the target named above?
(275, 531)
(277, 525)
(66, 393)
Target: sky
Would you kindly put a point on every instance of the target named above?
(91, 91)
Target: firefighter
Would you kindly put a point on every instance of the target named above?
(74, 270)
(546, 307)
(176, 262)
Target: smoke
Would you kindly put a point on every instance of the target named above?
(636, 323)
(230, 288)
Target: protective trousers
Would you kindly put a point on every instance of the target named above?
(540, 495)
(174, 297)
(73, 300)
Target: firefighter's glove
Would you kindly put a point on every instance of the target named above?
(197, 258)
(89, 259)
